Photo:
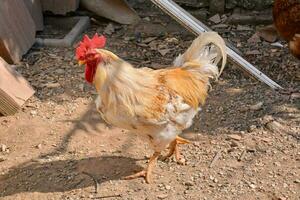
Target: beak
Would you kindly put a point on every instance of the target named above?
(81, 62)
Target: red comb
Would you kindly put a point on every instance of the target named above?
(87, 44)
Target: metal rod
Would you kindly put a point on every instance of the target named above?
(197, 27)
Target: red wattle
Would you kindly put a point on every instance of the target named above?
(89, 73)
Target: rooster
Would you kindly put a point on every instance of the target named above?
(156, 104)
(286, 15)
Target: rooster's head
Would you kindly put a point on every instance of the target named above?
(86, 54)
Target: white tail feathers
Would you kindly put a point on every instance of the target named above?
(206, 51)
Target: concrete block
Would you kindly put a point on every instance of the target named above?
(80, 24)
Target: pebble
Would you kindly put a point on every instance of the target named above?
(60, 71)
(33, 112)
(3, 147)
(2, 159)
(189, 183)
(235, 137)
(162, 196)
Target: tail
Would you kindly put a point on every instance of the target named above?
(204, 55)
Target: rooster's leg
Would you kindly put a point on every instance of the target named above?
(146, 173)
(173, 149)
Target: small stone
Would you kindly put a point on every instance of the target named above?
(189, 183)
(2, 159)
(277, 164)
(162, 196)
(33, 112)
(3, 147)
(81, 87)
(39, 146)
(253, 52)
(215, 19)
(234, 144)
(252, 128)
(297, 181)
(163, 52)
(168, 187)
(109, 29)
(252, 186)
(243, 28)
(268, 33)
(60, 71)
(235, 137)
(257, 106)
(53, 85)
(254, 39)
(267, 140)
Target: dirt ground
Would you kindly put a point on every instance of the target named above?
(57, 146)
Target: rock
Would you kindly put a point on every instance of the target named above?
(81, 87)
(118, 11)
(39, 146)
(109, 29)
(189, 183)
(2, 159)
(254, 39)
(53, 85)
(275, 127)
(33, 112)
(149, 39)
(162, 196)
(235, 137)
(268, 33)
(215, 19)
(3, 147)
(168, 187)
(297, 181)
(252, 186)
(163, 52)
(252, 128)
(253, 52)
(60, 71)
(234, 144)
(243, 28)
(257, 106)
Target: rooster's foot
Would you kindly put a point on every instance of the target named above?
(146, 173)
(173, 149)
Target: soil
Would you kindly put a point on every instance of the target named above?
(245, 141)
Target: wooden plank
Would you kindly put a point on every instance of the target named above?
(35, 9)
(17, 30)
(14, 89)
(60, 7)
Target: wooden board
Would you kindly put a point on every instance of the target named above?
(17, 30)
(60, 7)
(14, 89)
(35, 9)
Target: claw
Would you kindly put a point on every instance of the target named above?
(146, 173)
(175, 150)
